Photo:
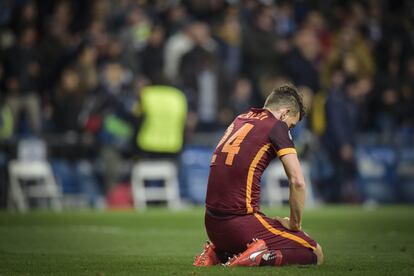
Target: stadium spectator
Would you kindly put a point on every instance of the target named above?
(28, 16)
(134, 37)
(317, 23)
(151, 57)
(229, 37)
(260, 48)
(351, 51)
(6, 12)
(163, 110)
(177, 17)
(55, 51)
(302, 64)
(202, 77)
(285, 21)
(176, 46)
(110, 118)
(407, 96)
(240, 100)
(302, 135)
(342, 115)
(86, 67)
(24, 83)
(69, 99)
(6, 122)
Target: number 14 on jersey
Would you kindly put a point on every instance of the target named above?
(232, 145)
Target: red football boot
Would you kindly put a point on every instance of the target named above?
(208, 257)
(251, 256)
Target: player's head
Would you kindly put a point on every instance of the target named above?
(286, 104)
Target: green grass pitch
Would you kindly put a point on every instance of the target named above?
(356, 241)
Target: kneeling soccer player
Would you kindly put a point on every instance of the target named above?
(234, 223)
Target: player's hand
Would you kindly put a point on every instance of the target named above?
(288, 224)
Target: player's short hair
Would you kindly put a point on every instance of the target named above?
(286, 95)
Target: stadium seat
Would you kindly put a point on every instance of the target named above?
(377, 177)
(150, 171)
(32, 165)
(405, 174)
(195, 168)
(276, 189)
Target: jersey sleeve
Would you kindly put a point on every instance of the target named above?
(281, 139)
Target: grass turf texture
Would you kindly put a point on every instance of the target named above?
(158, 242)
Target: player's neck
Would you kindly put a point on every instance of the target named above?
(276, 114)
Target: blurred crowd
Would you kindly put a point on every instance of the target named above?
(66, 65)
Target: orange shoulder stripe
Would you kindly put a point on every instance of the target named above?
(285, 151)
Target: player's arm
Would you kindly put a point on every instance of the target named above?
(285, 150)
(297, 189)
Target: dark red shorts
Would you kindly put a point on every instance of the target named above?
(231, 233)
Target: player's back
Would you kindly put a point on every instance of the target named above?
(241, 156)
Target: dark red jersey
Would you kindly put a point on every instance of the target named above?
(249, 144)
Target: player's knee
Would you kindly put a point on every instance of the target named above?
(319, 254)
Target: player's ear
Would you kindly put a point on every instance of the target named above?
(284, 114)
